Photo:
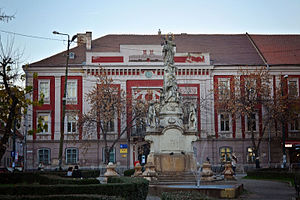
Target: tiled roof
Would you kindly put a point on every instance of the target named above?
(224, 49)
(279, 49)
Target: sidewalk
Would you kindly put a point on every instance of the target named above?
(265, 190)
(261, 190)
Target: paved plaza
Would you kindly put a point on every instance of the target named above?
(261, 190)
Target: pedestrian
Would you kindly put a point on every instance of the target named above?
(41, 167)
(70, 170)
(76, 172)
(257, 165)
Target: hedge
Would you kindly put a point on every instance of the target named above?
(62, 197)
(129, 172)
(45, 179)
(271, 173)
(128, 188)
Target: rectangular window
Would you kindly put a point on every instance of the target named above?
(250, 155)
(112, 155)
(225, 154)
(251, 122)
(293, 87)
(111, 126)
(71, 124)
(72, 91)
(71, 155)
(44, 156)
(250, 88)
(44, 90)
(294, 125)
(224, 88)
(224, 124)
(43, 123)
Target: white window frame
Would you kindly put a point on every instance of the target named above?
(251, 94)
(297, 86)
(42, 114)
(68, 162)
(230, 122)
(74, 120)
(43, 160)
(113, 152)
(222, 87)
(73, 98)
(46, 96)
(296, 129)
(115, 120)
(256, 123)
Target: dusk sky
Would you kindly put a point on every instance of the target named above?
(41, 18)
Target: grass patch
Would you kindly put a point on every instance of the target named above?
(274, 178)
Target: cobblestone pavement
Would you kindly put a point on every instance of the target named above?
(261, 190)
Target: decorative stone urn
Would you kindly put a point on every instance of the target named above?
(137, 170)
(110, 171)
(228, 172)
(207, 173)
(150, 173)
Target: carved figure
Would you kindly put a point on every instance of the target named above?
(152, 116)
(170, 85)
(192, 117)
(168, 51)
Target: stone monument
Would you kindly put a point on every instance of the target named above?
(171, 146)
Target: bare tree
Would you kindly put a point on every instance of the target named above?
(4, 17)
(250, 95)
(109, 103)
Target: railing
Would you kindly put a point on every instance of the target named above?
(138, 132)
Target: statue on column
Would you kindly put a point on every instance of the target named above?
(170, 89)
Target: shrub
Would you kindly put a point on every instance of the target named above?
(41, 178)
(129, 172)
(62, 197)
(126, 187)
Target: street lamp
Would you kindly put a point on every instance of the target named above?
(283, 127)
(62, 128)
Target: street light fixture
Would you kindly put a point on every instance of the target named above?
(62, 128)
(283, 126)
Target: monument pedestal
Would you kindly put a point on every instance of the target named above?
(172, 150)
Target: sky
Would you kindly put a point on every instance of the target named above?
(40, 18)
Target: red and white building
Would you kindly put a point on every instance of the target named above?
(135, 64)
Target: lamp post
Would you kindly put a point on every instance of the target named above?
(62, 127)
(283, 126)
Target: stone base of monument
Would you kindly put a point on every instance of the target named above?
(171, 150)
(173, 163)
(228, 191)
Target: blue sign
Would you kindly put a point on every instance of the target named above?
(13, 154)
(123, 146)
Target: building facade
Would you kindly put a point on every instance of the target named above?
(134, 62)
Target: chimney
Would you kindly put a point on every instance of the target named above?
(85, 38)
(88, 35)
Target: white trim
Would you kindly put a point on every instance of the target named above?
(46, 99)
